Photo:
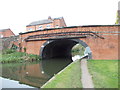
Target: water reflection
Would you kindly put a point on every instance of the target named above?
(33, 74)
(26, 73)
(53, 66)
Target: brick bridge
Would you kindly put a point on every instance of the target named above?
(58, 42)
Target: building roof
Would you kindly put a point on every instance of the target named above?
(3, 30)
(46, 21)
(58, 18)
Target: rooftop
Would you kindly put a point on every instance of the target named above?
(2, 30)
(45, 21)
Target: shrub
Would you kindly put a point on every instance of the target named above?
(14, 47)
(24, 49)
(8, 51)
(18, 57)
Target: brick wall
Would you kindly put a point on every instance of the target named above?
(101, 48)
(8, 41)
(7, 33)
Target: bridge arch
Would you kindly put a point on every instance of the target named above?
(61, 48)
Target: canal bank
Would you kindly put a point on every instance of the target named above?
(104, 74)
(12, 56)
(69, 77)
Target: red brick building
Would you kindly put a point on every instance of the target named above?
(46, 24)
(6, 33)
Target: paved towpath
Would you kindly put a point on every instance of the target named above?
(86, 77)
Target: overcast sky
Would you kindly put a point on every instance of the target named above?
(16, 14)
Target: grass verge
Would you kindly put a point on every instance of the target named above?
(104, 73)
(70, 77)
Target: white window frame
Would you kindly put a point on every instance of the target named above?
(40, 27)
(30, 29)
(48, 26)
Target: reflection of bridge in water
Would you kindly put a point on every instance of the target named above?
(33, 74)
(29, 74)
(58, 42)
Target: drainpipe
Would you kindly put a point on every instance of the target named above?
(35, 27)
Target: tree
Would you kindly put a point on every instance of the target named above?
(118, 17)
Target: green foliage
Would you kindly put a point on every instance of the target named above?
(34, 57)
(8, 51)
(24, 49)
(13, 56)
(14, 47)
(117, 19)
(78, 50)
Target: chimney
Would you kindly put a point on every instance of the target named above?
(49, 18)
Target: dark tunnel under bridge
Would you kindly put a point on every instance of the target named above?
(59, 48)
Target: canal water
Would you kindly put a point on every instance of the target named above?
(31, 75)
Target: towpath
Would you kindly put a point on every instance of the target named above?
(86, 77)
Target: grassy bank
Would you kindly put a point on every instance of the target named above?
(13, 56)
(104, 73)
(69, 78)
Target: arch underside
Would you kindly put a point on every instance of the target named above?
(59, 48)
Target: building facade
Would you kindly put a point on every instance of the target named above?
(46, 24)
(6, 33)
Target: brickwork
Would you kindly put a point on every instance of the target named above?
(8, 41)
(106, 48)
(6, 33)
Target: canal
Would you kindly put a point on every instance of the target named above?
(36, 74)
(31, 75)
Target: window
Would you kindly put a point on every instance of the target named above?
(48, 26)
(29, 29)
(40, 27)
(57, 26)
